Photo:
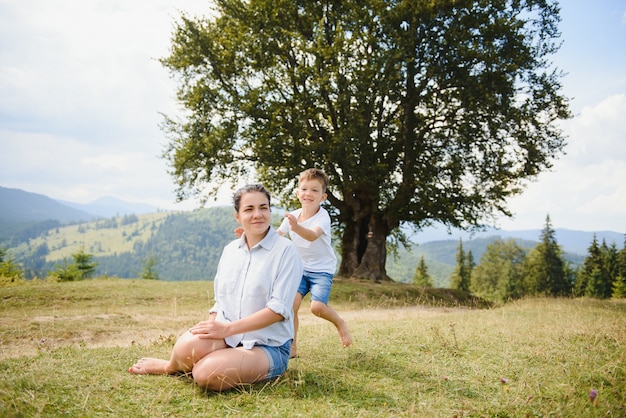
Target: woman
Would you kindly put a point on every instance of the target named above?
(248, 335)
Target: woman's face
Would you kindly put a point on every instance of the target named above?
(254, 214)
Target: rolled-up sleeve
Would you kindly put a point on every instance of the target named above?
(288, 276)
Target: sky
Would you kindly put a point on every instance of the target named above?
(82, 96)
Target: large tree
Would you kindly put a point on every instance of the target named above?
(418, 110)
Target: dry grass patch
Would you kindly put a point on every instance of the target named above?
(536, 357)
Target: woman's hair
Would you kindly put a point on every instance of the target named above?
(248, 188)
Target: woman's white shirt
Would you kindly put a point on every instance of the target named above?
(248, 280)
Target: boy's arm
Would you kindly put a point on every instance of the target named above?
(306, 233)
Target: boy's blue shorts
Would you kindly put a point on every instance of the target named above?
(318, 284)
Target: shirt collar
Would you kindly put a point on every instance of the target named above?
(267, 242)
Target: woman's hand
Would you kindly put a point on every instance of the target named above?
(211, 329)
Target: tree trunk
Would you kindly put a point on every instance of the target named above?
(364, 250)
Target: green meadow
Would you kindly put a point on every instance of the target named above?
(66, 347)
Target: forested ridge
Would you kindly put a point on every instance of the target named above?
(181, 245)
(187, 246)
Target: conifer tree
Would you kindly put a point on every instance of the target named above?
(595, 284)
(547, 272)
(10, 271)
(591, 280)
(611, 268)
(80, 269)
(619, 288)
(83, 263)
(149, 268)
(460, 278)
(421, 276)
(621, 260)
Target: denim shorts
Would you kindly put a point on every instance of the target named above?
(278, 357)
(318, 284)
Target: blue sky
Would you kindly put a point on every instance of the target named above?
(81, 94)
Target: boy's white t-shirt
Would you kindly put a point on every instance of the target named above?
(318, 255)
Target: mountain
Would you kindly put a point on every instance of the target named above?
(576, 242)
(42, 232)
(25, 215)
(108, 207)
(19, 206)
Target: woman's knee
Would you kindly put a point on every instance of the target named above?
(212, 382)
(185, 352)
(209, 376)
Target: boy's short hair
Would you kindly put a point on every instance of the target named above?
(314, 174)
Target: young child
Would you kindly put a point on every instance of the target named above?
(309, 230)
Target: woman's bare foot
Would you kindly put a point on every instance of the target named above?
(293, 353)
(149, 365)
(344, 334)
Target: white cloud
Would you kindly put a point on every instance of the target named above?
(81, 90)
(586, 189)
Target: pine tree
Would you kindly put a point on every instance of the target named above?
(149, 272)
(460, 278)
(595, 284)
(619, 288)
(10, 271)
(547, 272)
(66, 271)
(83, 263)
(611, 268)
(80, 269)
(593, 278)
(421, 276)
(621, 260)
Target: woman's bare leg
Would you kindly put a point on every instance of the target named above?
(224, 369)
(187, 351)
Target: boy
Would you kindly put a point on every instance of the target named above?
(309, 230)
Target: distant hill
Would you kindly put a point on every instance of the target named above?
(20, 206)
(183, 245)
(25, 215)
(576, 242)
(186, 245)
(440, 257)
(108, 207)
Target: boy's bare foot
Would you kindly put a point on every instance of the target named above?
(344, 334)
(149, 365)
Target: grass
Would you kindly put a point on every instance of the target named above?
(65, 349)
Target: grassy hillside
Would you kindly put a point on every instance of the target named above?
(187, 245)
(66, 348)
(100, 238)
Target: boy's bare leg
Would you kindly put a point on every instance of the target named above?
(296, 306)
(324, 311)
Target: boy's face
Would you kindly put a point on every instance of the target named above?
(310, 193)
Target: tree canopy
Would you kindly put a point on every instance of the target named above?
(419, 111)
